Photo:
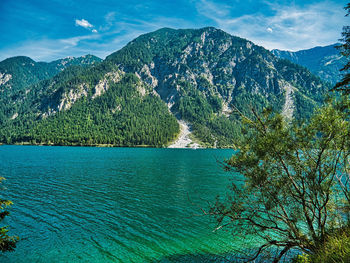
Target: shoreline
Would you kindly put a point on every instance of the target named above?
(110, 146)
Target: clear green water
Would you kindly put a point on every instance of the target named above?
(76, 204)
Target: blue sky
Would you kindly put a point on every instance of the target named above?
(46, 30)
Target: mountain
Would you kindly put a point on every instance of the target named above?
(19, 72)
(204, 74)
(87, 106)
(325, 62)
(198, 75)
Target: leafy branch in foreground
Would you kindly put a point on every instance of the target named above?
(7, 243)
(288, 197)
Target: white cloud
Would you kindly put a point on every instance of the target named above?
(84, 23)
(74, 41)
(109, 21)
(212, 9)
(294, 27)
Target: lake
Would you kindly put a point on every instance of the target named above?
(82, 204)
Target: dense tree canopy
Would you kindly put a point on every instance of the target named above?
(121, 116)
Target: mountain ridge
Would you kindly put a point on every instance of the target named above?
(201, 76)
(20, 71)
(324, 61)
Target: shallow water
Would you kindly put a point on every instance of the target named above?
(81, 204)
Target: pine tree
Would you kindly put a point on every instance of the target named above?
(344, 84)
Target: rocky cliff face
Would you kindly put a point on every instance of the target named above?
(216, 64)
(4, 78)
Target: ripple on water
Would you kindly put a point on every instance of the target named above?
(112, 205)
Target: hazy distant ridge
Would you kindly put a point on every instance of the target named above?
(323, 61)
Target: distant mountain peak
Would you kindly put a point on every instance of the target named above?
(324, 61)
(18, 59)
(24, 71)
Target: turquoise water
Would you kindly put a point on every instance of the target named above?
(77, 204)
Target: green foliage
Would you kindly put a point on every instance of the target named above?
(304, 258)
(336, 249)
(344, 84)
(290, 194)
(7, 243)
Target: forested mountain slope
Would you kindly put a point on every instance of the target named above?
(131, 98)
(204, 74)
